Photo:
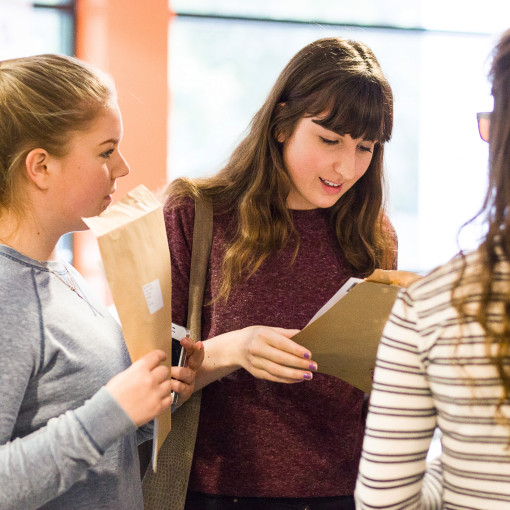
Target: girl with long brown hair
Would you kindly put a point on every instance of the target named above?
(444, 361)
(298, 209)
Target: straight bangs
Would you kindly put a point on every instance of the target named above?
(358, 107)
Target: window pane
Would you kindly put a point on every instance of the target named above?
(28, 30)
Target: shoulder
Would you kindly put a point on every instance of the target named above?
(179, 205)
(390, 241)
(20, 323)
(389, 232)
(387, 225)
(179, 197)
(179, 214)
(433, 293)
(17, 280)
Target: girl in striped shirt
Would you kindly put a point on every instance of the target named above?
(443, 362)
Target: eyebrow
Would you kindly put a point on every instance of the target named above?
(110, 140)
(323, 127)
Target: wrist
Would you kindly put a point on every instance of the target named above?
(221, 357)
(234, 348)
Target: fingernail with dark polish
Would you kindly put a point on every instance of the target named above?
(306, 375)
(306, 355)
(312, 367)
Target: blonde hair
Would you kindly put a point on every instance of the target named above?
(333, 75)
(43, 100)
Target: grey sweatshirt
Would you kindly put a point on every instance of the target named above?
(65, 443)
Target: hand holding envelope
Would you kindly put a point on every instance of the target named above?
(134, 249)
(344, 335)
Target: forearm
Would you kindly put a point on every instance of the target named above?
(265, 352)
(43, 465)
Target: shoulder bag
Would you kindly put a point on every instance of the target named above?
(166, 489)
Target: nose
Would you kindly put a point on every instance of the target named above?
(345, 163)
(121, 168)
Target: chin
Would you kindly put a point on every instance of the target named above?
(326, 204)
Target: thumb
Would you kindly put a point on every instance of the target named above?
(152, 359)
(197, 358)
(289, 333)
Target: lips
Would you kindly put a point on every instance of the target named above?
(330, 183)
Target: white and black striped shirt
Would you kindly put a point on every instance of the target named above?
(426, 378)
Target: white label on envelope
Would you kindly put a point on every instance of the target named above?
(153, 296)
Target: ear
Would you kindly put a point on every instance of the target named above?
(36, 164)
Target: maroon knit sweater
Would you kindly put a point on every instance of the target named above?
(256, 437)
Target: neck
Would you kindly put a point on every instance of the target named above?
(28, 237)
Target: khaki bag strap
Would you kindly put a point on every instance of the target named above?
(166, 489)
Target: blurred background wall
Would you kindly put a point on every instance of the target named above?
(191, 74)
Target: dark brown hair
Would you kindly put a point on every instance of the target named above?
(333, 75)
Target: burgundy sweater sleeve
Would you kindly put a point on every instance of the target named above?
(179, 218)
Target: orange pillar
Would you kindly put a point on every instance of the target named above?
(129, 40)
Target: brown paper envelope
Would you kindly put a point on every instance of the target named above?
(134, 249)
(344, 339)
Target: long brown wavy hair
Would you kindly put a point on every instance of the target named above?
(333, 75)
(492, 309)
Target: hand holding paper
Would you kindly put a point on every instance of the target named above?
(344, 335)
(143, 389)
(270, 353)
(134, 248)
